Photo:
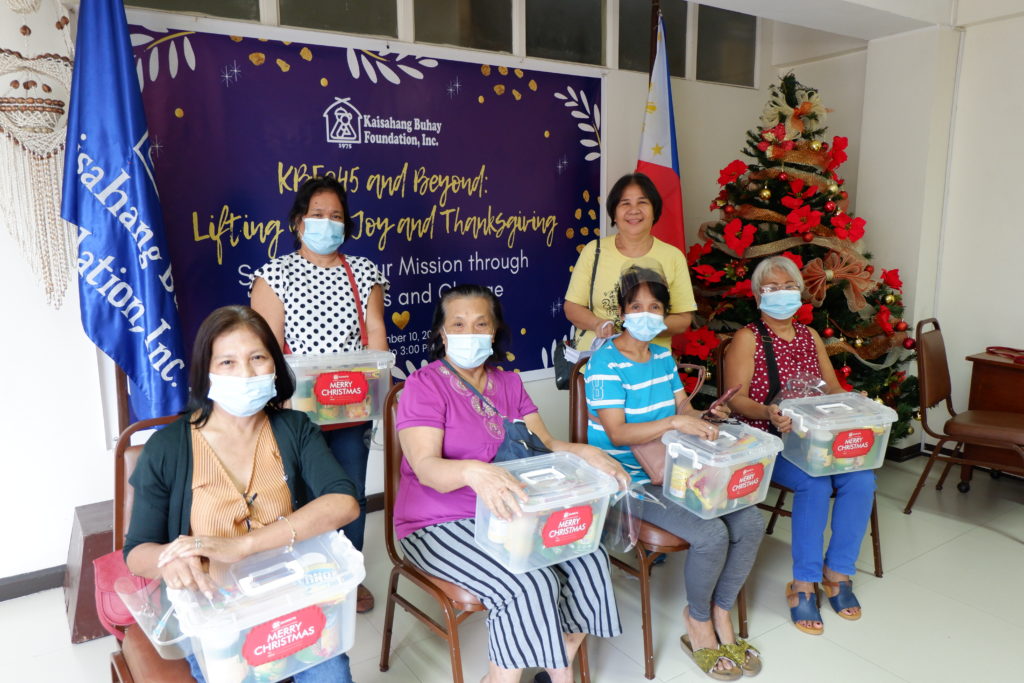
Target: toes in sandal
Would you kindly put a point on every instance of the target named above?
(842, 599)
(707, 659)
(746, 654)
(806, 609)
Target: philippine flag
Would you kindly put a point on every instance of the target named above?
(658, 159)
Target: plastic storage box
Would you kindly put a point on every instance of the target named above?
(333, 388)
(836, 433)
(714, 478)
(562, 519)
(277, 613)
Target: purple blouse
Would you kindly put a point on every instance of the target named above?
(434, 397)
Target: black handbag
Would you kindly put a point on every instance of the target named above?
(519, 441)
(563, 367)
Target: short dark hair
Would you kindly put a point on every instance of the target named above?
(305, 194)
(633, 279)
(468, 291)
(646, 186)
(220, 322)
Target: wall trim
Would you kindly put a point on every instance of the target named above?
(26, 584)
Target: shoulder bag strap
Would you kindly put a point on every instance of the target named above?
(769, 360)
(363, 336)
(593, 272)
(472, 388)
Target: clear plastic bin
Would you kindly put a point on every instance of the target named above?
(562, 518)
(334, 388)
(714, 478)
(836, 433)
(155, 615)
(277, 613)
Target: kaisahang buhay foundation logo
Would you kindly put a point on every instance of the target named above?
(345, 126)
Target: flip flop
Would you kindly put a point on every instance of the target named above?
(843, 598)
(746, 654)
(806, 609)
(707, 659)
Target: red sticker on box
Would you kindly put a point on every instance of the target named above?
(284, 636)
(340, 388)
(567, 526)
(853, 443)
(745, 481)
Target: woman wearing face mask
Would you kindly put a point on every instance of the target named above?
(450, 436)
(318, 300)
(236, 474)
(798, 350)
(634, 392)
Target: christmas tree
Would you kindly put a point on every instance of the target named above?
(789, 200)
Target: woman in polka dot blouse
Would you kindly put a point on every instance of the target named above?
(777, 285)
(307, 298)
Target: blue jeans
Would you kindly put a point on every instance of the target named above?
(850, 513)
(333, 670)
(351, 448)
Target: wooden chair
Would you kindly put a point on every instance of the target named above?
(652, 541)
(137, 660)
(456, 602)
(991, 428)
(779, 510)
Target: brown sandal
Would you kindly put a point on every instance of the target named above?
(364, 599)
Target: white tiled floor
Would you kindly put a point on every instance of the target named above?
(948, 609)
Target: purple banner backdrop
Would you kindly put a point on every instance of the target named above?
(456, 172)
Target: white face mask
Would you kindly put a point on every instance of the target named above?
(468, 351)
(242, 396)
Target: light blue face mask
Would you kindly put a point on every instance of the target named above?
(242, 396)
(468, 351)
(322, 235)
(644, 326)
(781, 305)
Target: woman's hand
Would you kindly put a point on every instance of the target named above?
(187, 572)
(600, 460)
(605, 328)
(500, 491)
(781, 422)
(226, 550)
(721, 412)
(689, 424)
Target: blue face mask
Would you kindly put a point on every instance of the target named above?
(781, 305)
(644, 326)
(242, 396)
(468, 351)
(322, 235)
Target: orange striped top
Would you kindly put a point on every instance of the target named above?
(220, 507)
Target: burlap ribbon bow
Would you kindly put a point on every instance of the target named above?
(819, 274)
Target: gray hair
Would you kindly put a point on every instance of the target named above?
(770, 264)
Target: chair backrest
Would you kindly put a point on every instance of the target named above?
(578, 403)
(932, 366)
(392, 470)
(126, 456)
(723, 345)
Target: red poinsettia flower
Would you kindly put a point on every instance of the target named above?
(883, 319)
(696, 251)
(730, 173)
(787, 145)
(837, 154)
(777, 133)
(795, 258)
(741, 288)
(699, 342)
(738, 236)
(689, 382)
(802, 219)
(763, 145)
(709, 274)
(892, 279)
(810, 191)
(791, 202)
(796, 186)
(848, 228)
(805, 314)
(844, 383)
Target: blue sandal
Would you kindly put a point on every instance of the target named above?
(806, 609)
(843, 597)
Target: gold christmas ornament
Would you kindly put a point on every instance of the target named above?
(917, 415)
(878, 399)
(842, 339)
(833, 188)
(858, 342)
(765, 193)
(816, 145)
(720, 202)
(890, 298)
(911, 430)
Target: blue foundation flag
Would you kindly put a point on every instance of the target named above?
(125, 287)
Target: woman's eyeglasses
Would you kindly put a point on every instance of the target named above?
(766, 289)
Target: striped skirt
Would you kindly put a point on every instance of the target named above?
(526, 613)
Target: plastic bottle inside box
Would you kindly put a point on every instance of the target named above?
(714, 478)
(836, 433)
(277, 613)
(562, 518)
(334, 388)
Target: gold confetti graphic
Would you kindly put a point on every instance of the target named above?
(323, 82)
(257, 58)
(283, 65)
(179, 112)
(306, 54)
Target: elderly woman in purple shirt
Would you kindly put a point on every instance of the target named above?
(450, 436)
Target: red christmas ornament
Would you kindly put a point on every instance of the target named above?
(845, 370)
(830, 206)
(808, 236)
(909, 343)
(869, 268)
(901, 326)
(729, 209)
(841, 181)
(828, 332)
(824, 147)
(783, 176)
(844, 194)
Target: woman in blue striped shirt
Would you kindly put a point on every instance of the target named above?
(634, 395)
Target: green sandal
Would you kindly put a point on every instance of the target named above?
(707, 659)
(746, 654)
